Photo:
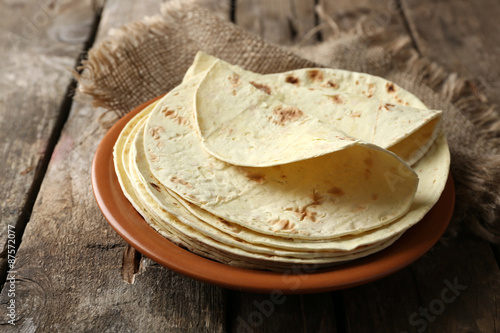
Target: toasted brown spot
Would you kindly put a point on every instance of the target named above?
(282, 115)
(315, 75)
(336, 191)
(155, 132)
(317, 199)
(388, 106)
(234, 79)
(172, 114)
(192, 197)
(337, 99)
(370, 91)
(390, 87)
(374, 196)
(292, 80)
(368, 174)
(358, 209)
(330, 84)
(262, 87)
(168, 113)
(230, 226)
(356, 114)
(153, 158)
(181, 120)
(283, 224)
(288, 226)
(156, 187)
(357, 82)
(182, 182)
(256, 177)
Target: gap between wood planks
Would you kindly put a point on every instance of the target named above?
(64, 110)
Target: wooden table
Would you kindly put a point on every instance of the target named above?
(70, 265)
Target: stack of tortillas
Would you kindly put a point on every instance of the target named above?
(312, 166)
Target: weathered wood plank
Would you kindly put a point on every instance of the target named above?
(284, 22)
(68, 267)
(276, 312)
(39, 41)
(459, 284)
(462, 36)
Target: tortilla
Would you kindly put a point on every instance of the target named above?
(309, 199)
(185, 168)
(362, 106)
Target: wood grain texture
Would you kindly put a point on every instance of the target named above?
(382, 306)
(284, 22)
(276, 312)
(39, 42)
(462, 36)
(459, 284)
(68, 269)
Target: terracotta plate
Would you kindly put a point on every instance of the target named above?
(131, 226)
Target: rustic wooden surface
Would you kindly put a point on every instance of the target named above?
(71, 265)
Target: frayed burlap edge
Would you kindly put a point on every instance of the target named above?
(478, 187)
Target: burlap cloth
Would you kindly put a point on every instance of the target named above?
(147, 58)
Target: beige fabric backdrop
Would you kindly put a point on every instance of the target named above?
(145, 59)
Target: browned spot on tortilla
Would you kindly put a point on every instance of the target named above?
(330, 84)
(368, 174)
(368, 161)
(182, 121)
(370, 91)
(256, 177)
(288, 226)
(182, 182)
(230, 226)
(283, 224)
(388, 106)
(168, 113)
(390, 87)
(406, 103)
(156, 187)
(155, 132)
(192, 197)
(357, 82)
(356, 114)
(172, 114)
(358, 208)
(292, 80)
(337, 99)
(262, 87)
(374, 196)
(234, 79)
(153, 158)
(283, 115)
(315, 75)
(304, 212)
(317, 199)
(336, 191)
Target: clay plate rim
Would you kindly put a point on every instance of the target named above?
(135, 231)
